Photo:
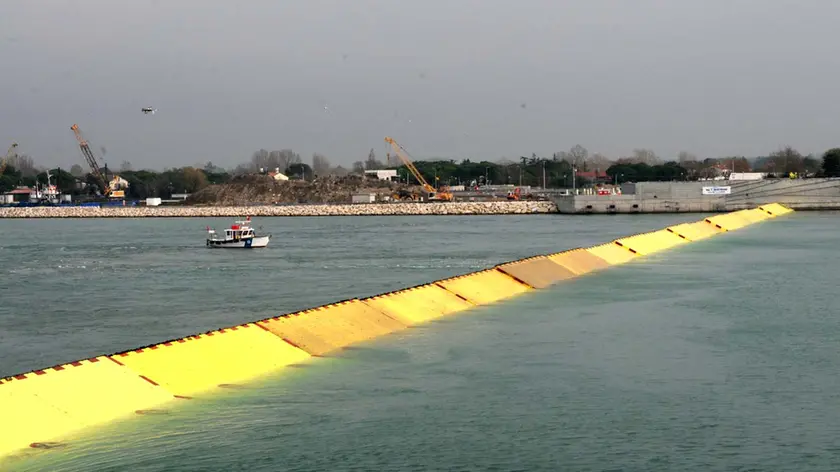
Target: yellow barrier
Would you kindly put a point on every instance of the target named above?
(612, 253)
(52, 404)
(695, 231)
(48, 405)
(486, 286)
(538, 272)
(333, 326)
(196, 364)
(649, 243)
(298, 331)
(775, 209)
(418, 304)
(738, 219)
(579, 261)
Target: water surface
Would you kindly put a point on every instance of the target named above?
(720, 355)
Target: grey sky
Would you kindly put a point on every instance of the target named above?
(714, 77)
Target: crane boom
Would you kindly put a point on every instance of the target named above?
(91, 160)
(8, 156)
(403, 155)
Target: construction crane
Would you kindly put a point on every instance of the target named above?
(9, 154)
(433, 194)
(109, 189)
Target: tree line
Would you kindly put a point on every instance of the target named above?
(555, 171)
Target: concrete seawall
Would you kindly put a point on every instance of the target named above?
(453, 208)
(52, 406)
(687, 197)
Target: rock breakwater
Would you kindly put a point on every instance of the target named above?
(452, 208)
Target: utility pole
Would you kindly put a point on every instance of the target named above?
(574, 184)
(543, 163)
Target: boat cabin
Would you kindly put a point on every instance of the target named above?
(238, 231)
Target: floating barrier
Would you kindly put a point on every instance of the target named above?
(53, 405)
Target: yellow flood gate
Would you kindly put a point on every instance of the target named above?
(419, 304)
(537, 272)
(330, 327)
(50, 404)
(54, 404)
(649, 243)
(196, 364)
(695, 231)
(579, 261)
(484, 287)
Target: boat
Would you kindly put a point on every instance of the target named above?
(240, 235)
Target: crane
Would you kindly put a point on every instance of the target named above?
(108, 189)
(9, 154)
(433, 194)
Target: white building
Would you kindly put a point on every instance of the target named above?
(363, 198)
(384, 174)
(747, 175)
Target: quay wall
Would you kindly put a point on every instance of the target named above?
(687, 197)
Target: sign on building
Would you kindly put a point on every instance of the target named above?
(717, 190)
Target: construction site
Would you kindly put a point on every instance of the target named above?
(264, 188)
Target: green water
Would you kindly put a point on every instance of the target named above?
(720, 355)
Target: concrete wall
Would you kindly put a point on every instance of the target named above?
(683, 197)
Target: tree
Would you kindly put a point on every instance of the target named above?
(320, 164)
(77, 171)
(786, 160)
(685, 156)
(301, 170)
(599, 161)
(642, 172)
(125, 166)
(645, 156)
(372, 163)
(579, 154)
(260, 160)
(831, 163)
(24, 164)
(359, 167)
(340, 171)
(210, 168)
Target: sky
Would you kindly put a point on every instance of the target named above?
(459, 79)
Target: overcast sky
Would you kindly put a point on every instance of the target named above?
(478, 79)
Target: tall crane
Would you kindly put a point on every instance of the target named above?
(433, 194)
(9, 154)
(108, 189)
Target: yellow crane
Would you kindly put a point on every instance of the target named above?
(113, 189)
(9, 154)
(433, 195)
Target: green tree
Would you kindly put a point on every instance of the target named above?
(831, 163)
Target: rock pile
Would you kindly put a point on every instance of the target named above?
(452, 208)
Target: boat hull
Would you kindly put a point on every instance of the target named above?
(250, 243)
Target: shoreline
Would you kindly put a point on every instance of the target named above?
(367, 209)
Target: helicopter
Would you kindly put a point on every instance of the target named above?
(148, 110)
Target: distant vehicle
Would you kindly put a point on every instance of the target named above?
(146, 111)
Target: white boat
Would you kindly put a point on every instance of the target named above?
(240, 235)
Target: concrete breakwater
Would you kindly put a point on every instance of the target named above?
(452, 208)
(708, 196)
(53, 406)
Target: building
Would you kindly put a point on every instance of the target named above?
(18, 195)
(595, 176)
(747, 175)
(363, 198)
(383, 174)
